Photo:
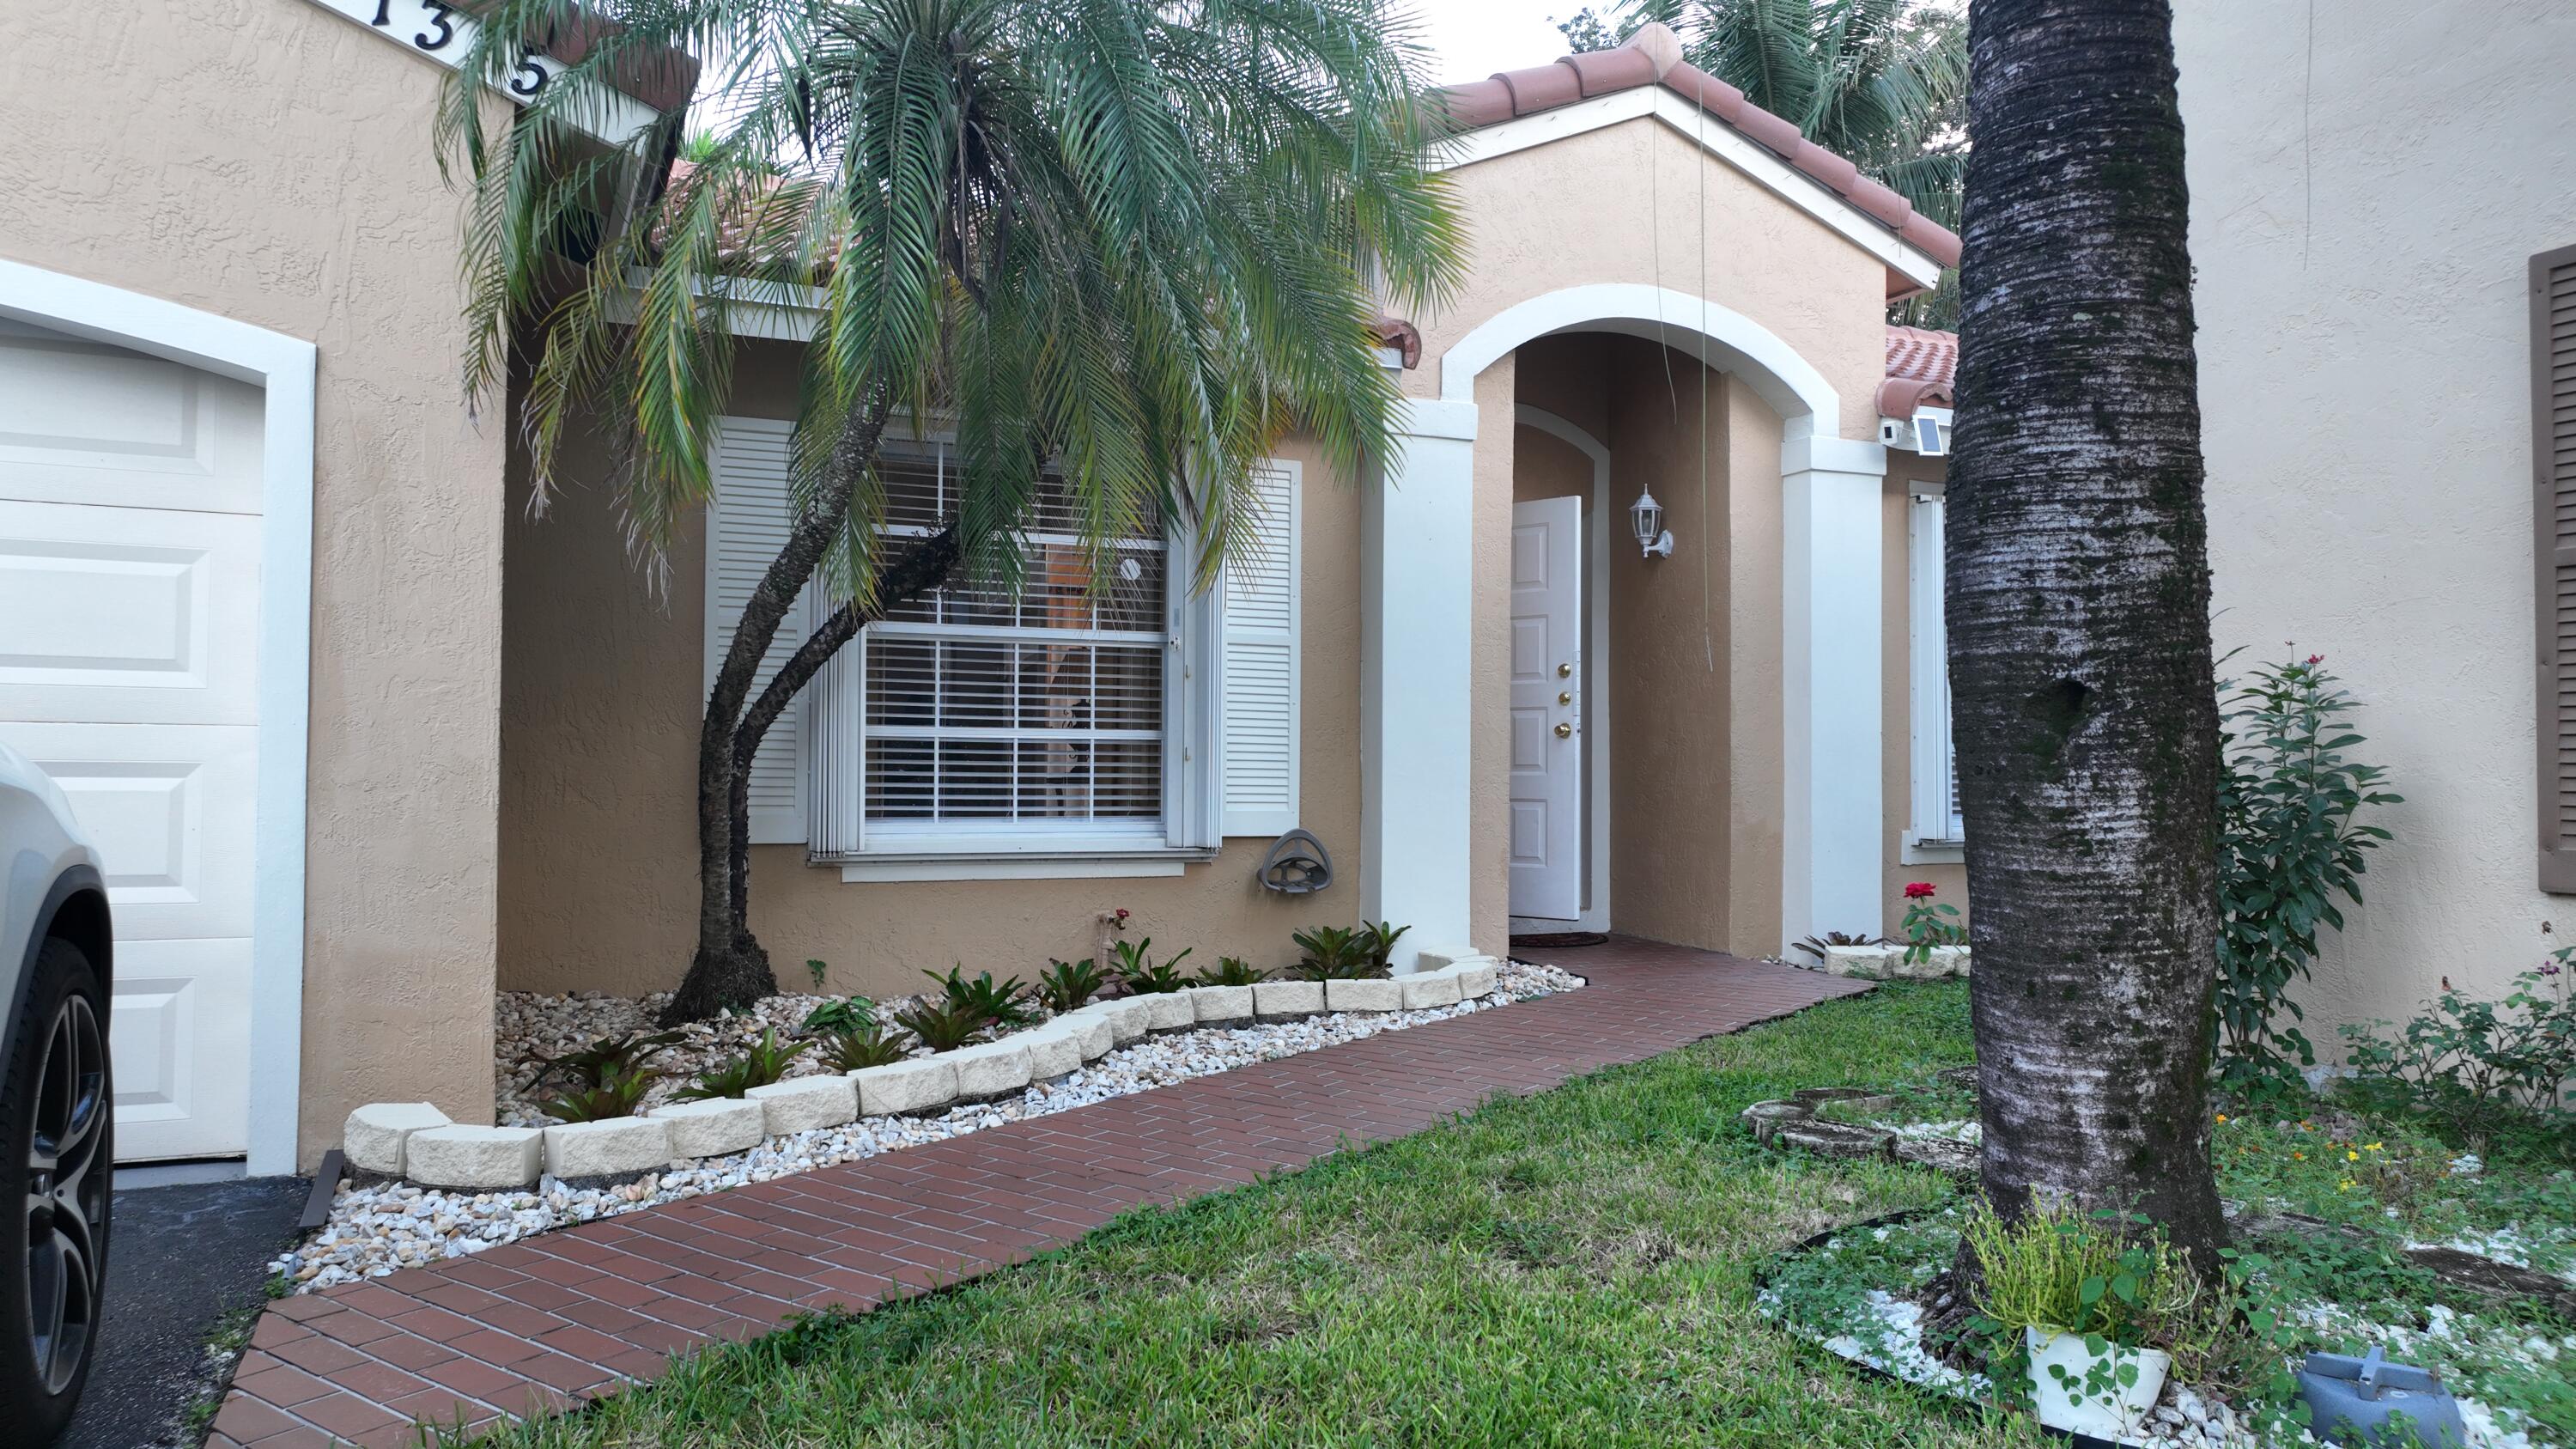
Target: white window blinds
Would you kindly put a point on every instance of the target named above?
(747, 524)
(1261, 664)
(1936, 819)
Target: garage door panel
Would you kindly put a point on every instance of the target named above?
(81, 422)
(180, 1012)
(124, 614)
(170, 809)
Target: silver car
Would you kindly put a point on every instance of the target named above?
(57, 1118)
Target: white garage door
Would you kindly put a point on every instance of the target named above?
(129, 621)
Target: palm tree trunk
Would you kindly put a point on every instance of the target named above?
(2078, 612)
(918, 570)
(721, 973)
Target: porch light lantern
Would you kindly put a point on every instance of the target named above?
(1648, 516)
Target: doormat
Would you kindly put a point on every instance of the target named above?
(1558, 940)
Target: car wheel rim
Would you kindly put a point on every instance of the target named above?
(66, 1194)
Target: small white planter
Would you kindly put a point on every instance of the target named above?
(2114, 1414)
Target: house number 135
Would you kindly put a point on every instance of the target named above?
(525, 81)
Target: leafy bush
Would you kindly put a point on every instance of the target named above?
(606, 1078)
(1065, 985)
(1929, 924)
(2289, 849)
(1379, 941)
(940, 1024)
(834, 1018)
(2108, 1276)
(1330, 953)
(865, 1045)
(2475, 1065)
(1003, 1004)
(1232, 971)
(764, 1062)
(1141, 976)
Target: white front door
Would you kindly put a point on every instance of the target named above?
(129, 621)
(1547, 709)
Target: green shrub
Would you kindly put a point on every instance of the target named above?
(2476, 1065)
(1331, 953)
(1138, 972)
(763, 1062)
(1065, 985)
(1232, 971)
(2289, 850)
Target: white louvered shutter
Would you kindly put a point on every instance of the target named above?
(746, 526)
(1936, 757)
(2553, 477)
(1261, 665)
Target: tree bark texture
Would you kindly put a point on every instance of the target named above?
(922, 567)
(721, 973)
(2078, 611)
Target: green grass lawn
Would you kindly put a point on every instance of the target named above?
(1575, 1268)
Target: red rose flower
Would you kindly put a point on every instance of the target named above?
(1919, 891)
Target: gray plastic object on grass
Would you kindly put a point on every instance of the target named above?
(2386, 1405)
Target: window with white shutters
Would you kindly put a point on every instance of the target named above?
(989, 716)
(1261, 664)
(2553, 473)
(1936, 819)
(746, 526)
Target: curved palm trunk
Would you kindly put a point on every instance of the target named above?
(721, 972)
(2078, 612)
(919, 569)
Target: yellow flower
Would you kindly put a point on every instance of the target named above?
(2370, 1147)
(2352, 1157)
(2222, 1116)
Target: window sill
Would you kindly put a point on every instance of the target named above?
(1927, 852)
(892, 867)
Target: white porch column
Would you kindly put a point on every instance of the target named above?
(1417, 589)
(1834, 836)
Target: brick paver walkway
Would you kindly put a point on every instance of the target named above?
(542, 1324)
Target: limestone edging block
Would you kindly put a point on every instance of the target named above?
(1424, 989)
(713, 1127)
(906, 1086)
(1221, 1003)
(1129, 1017)
(373, 1136)
(483, 1158)
(1477, 977)
(803, 1104)
(1384, 994)
(991, 1069)
(1280, 1000)
(1168, 1010)
(1053, 1051)
(608, 1146)
(1092, 1034)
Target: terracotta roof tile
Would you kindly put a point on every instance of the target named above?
(1922, 371)
(1652, 56)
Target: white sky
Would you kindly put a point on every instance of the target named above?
(1475, 38)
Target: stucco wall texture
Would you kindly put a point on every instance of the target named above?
(2365, 195)
(268, 161)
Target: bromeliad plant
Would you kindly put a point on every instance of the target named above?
(1331, 953)
(832, 1018)
(1003, 1004)
(1065, 985)
(941, 1025)
(865, 1045)
(763, 1062)
(2290, 849)
(606, 1078)
(1232, 971)
(1929, 923)
(1378, 939)
(1140, 974)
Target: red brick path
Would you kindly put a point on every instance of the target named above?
(542, 1324)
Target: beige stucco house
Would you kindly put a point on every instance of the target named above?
(364, 741)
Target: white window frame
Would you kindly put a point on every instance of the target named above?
(1025, 849)
(1934, 832)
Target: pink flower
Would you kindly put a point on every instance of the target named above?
(1920, 890)
(2316, 659)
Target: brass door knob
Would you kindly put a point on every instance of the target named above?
(1565, 732)
(1565, 671)
(1563, 697)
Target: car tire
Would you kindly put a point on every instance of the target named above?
(57, 1155)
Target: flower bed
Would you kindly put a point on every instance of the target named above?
(380, 1226)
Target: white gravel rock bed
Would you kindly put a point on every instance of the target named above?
(378, 1229)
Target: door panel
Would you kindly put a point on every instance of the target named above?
(1546, 709)
(129, 671)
